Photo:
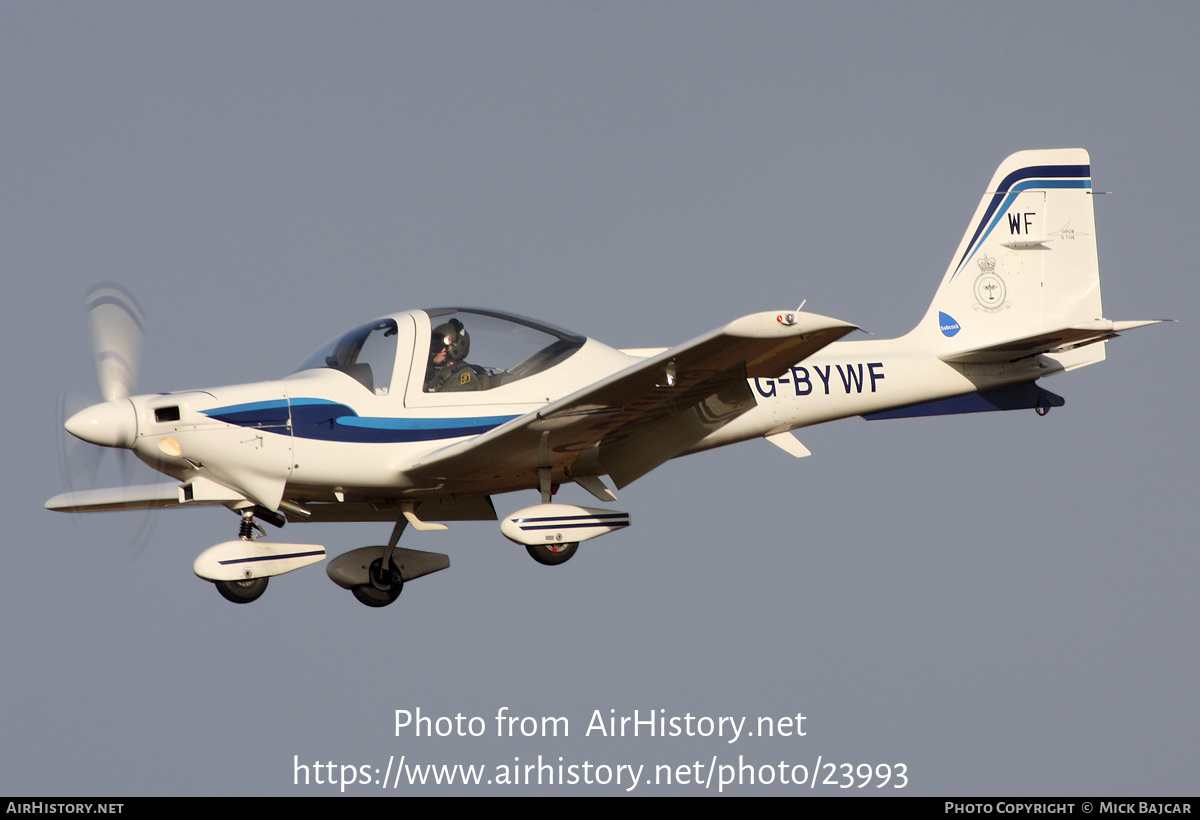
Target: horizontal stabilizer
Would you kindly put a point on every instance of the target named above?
(1053, 341)
(1018, 397)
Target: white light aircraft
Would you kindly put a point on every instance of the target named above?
(422, 416)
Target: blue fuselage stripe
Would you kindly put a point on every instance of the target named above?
(324, 420)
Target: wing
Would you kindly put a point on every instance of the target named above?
(145, 496)
(201, 491)
(634, 420)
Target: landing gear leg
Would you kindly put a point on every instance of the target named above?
(386, 583)
(549, 554)
(250, 589)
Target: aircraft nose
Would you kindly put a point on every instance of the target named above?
(111, 424)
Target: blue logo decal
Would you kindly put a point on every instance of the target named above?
(948, 325)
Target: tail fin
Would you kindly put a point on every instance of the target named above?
(1026, 270)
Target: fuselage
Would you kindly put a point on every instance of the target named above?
(348, 426)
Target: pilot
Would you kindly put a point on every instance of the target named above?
(447, 371)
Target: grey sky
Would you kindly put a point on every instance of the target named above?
(1006, 604)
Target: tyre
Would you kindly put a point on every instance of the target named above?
(552, 554)
(242, 592)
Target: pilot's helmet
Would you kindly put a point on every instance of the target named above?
(452, 336)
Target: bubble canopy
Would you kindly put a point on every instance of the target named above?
(507, 347)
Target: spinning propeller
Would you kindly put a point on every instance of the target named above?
(117, 325)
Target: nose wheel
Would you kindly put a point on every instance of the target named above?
(242, 592)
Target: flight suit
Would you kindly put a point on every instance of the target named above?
(457, 377)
